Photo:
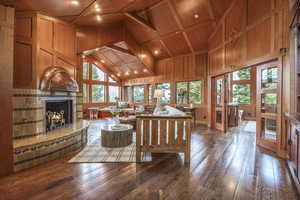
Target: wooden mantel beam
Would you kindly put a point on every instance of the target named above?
(140, 21)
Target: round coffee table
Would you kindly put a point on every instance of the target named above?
(116, 135)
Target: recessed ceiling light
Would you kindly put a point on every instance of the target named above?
(118, 74)
(98, 17)
(96, 63)
(102, 61)
(98, 9)
(127, 73)
(196, 16)
(145, 70)
(83, 56)
(97, 49)
(74, 2)
(156, 52)
(136, 72)
(142, 55)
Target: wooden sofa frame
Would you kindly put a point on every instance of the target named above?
(163, 134)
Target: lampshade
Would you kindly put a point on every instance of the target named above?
(158, 93)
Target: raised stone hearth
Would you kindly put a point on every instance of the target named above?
(32, 143)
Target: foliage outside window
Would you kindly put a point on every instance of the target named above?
(97, 74)
(270, 78)
(85, 70)
(85, 89)
(98, 93)
(138, 94)
(244, 74)
(188, 92)
(167, 92)
(241, 93)
(182, 92)
(113, 93)
(195, 92)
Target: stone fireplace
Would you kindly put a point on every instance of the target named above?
(59, 113)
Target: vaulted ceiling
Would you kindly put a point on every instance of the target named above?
(166, 27)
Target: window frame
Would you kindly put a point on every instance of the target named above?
(243, 82)
(188, 91)
(90, 82)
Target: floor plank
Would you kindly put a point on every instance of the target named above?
(223, 166)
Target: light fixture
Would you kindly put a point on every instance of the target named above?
(103, 61)
(145, 70)
(98, 17)
(196, 16)
(127, 73)
(96, 63)
(118, 74)
(97, 49)
(98, 9)
(74, 2)
(136, 72)
(156, 52)
(142, 55)
(82, 56)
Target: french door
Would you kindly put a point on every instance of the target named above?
(219, 103)
(268, 105)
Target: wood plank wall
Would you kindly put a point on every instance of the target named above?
(6, 87)
(182, 68)
(250, 31)
(40, 42)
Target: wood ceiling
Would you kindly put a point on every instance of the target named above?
(169, 27)
(120, 61)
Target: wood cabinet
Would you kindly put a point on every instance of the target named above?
(293, 146)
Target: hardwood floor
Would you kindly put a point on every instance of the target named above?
(222, 167)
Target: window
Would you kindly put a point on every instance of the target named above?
(167, 92)
(111, 80)
(241, 93)
(85, 70)
(97, 84)
(126, 93)
(97, 74)
(270, 78)
(85, 89)
(138, 94)
(189, 92)
(113, 93)
(150, 93)
(195, 92)
(98, 93)
(182, 92)
(244, 74)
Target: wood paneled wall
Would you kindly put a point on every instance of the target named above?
(41, 42)
(250, 31)
(6, 87)
(182, 68)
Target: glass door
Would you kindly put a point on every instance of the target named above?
(268, 108)
(219, 105)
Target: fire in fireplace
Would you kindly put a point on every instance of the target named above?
(58, 114)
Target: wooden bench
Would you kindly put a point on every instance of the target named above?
(163, 134)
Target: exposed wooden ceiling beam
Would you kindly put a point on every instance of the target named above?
(166, 48)
(140, 21)
(176, 17)
(83, 12)
(211, 13)
(117, 48)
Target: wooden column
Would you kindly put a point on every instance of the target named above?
(6, 89)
